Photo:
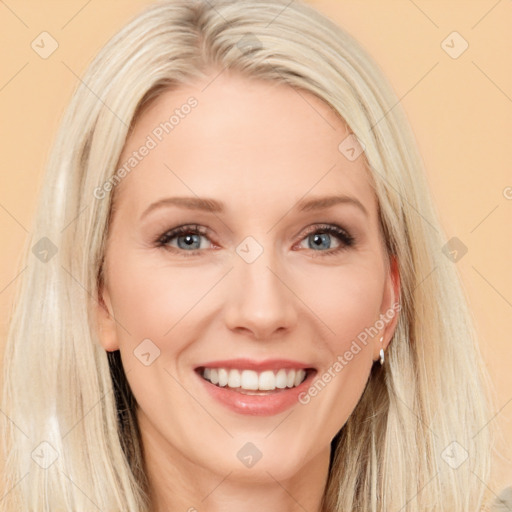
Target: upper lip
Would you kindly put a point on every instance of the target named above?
(251, 364)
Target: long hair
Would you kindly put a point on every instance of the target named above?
(419, 438)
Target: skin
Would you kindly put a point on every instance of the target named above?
(258, 147)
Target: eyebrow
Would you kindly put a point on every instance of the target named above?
(214, 206)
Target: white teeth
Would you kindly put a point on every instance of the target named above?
(234, 378)
(223, 377)
(281, 379)
(249, 380)
(267, 380)
(290, 379)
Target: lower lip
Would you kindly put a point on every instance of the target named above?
(258, 405)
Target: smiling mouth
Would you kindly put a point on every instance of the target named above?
(251, 382)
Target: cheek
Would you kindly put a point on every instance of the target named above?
(156, 300)
(151, 299)
(347, 299)
(157, 305)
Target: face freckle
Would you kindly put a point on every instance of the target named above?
(254, 168)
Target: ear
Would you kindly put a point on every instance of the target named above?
(106, 323)
(390, 307)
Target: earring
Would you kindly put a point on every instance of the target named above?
(381, 352)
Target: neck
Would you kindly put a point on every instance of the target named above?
(178, 483)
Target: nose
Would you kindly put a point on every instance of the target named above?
(260, 302)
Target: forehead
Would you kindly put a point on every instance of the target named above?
(247, 142)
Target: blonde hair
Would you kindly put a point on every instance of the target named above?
(62, 388)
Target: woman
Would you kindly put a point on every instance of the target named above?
(238, 295)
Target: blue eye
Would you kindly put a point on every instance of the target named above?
(319, 238)
(188, 239)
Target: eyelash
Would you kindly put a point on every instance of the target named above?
(341, 234)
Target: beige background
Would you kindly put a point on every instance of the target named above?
(460, 110)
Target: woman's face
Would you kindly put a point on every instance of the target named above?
(266, 284)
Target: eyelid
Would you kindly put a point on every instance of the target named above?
(327, 227)
(345, 238)
(183, 228)
(180, 231)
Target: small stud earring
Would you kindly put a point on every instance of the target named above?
(381, 353)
